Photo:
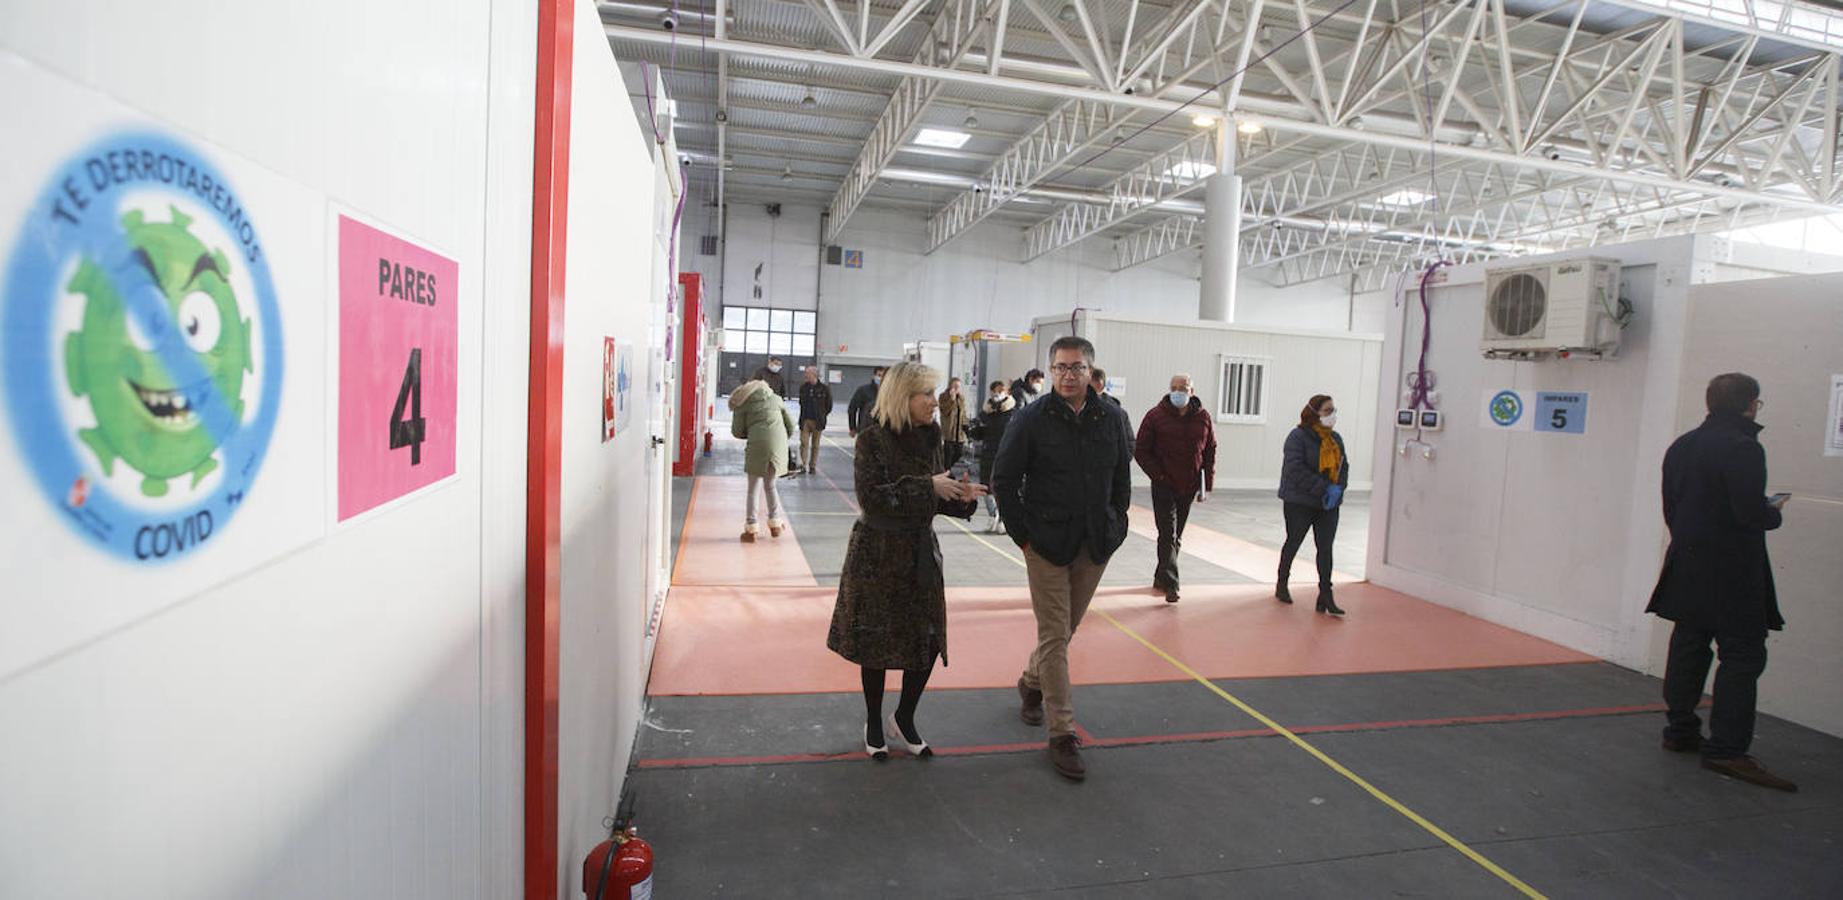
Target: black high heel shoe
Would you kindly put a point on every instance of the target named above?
(1326, 604)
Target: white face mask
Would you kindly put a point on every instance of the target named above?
(774, 367)
(1329, 421)
(1180, 398)
(1036, 386)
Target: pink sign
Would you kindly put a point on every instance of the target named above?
(398, 333)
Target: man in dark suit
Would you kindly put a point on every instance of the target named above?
(857, 413)
(1717, 584)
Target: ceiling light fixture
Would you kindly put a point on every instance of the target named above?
(1067, 13)
(809, 101)
(942, 137)
(787, 174)
(1203, 120)
(1247, 127)
(1404, 197)
(972, 119)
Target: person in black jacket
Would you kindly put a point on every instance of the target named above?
(815, 407)
(1717, 583)
(857, 414)
(1028, 388)
(1064, 482)
(771, 373)
(1314, 472)
(989, 430)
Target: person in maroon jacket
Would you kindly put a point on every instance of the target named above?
(1176, 446)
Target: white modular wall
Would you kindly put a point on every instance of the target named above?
(1788, 333)
(616, 282)
(1557, 535)
(343, 719)
(1298, 364)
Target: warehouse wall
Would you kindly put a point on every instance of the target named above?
(618, 228)
(1788, 333)
(341, 719)
(1298, 364)
(1557, 535)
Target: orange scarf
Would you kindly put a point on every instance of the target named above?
(1330, 458)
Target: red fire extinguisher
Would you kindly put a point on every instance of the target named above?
(707, 443)
(620, 868)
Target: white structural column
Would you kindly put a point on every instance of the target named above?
(1221, 230)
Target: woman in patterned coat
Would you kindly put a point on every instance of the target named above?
(892, 600)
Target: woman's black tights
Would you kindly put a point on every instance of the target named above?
(914, 681)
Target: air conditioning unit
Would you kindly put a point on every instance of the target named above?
(1568, 307)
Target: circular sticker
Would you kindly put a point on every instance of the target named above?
(143, 346)
(1506, 408)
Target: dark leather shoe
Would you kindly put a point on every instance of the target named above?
(1065, 755)
(1281, 594)
(1032, 710)
(1689, 744)
(1170, 595)
(1748, 769)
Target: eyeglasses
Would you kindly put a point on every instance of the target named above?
(1063, 370)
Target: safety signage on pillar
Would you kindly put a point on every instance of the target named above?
(159, 378)
(1561, 412)
(398, 333)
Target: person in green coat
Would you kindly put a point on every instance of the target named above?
(758, 416)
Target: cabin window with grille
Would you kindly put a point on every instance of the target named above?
(1241, 393)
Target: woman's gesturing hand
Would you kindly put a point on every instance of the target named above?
(947, 487)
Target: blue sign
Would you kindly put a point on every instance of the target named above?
(854, 259)
(142, 346)
(1561, 413)
(1506, 408)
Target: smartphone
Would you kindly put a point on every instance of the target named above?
(1778, 499)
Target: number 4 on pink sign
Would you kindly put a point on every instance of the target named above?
(408, 433)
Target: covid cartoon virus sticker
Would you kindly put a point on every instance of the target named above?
(144, 415)
(143, 347)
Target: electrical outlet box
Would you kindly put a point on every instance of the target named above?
(1432, 420)
(1404, 419)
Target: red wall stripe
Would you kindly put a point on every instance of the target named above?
(544, 443)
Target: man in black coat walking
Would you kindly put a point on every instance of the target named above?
(1717, 584)
(1064, 482)
(857, 412)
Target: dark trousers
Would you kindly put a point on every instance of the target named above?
(1170, 509)
(1743, 658)
(950, 453)
(1301, 518)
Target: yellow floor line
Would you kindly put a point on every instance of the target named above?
(1298, 741)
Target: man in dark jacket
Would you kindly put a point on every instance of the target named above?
(1064, 482)
(1176, 446)
(1717, 583)
(815, 406)
(771, 373)
(857, 413)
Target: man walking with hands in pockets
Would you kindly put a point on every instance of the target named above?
(1063, 479)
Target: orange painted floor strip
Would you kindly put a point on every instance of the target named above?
(771, 640)
(1232, 553)
(711, 552)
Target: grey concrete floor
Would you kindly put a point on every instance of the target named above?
(1552, 773)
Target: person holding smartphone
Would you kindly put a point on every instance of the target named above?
(1717, 583)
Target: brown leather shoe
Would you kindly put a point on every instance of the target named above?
(1683, 744)
(1748, 769)
(1032, 710)
(1065, 755)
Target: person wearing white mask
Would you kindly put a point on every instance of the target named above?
(1176, 447)
(1313, 475)
(771, 373)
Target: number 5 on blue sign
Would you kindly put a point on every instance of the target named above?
(1564, 413)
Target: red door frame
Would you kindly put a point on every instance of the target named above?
(544, 442)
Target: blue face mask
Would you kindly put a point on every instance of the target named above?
(1180, 398)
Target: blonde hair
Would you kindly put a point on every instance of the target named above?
(903, 381)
